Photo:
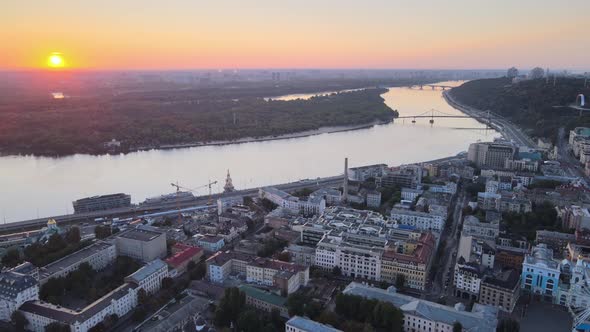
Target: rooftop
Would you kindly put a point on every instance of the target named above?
(309, 325)
(480, 319)
(71, 259)
(12, 283)
(140, 234)
(147, 270)
(71, 316)
(184, 255)
(263, 295)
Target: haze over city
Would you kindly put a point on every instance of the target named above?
(183, 34)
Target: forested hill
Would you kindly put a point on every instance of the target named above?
(82, 125)
(530, 104)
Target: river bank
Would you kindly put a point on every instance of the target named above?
(507, 129)
(301, 134)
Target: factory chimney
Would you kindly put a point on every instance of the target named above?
(345, 185)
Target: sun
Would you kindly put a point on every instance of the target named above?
(56, 60)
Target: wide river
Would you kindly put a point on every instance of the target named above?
(32, 187)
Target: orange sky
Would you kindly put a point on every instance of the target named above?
(184, 34)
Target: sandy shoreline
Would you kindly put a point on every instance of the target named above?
(301, 134)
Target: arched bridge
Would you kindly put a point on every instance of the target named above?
(432, 86)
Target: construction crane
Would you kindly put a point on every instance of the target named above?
(178, 189)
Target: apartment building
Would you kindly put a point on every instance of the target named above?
(420, 220)
(410, 259)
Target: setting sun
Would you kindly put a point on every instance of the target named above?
(55, 60)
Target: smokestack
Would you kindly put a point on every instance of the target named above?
(345, 185)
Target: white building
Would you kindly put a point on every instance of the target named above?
(355, 260)
(420, 220)
(467, 279)
(302, 324)
(447, 188)
(211, 243)
(426, 316)
(150, 276)
(143, 243)
(120, 301)
(98, 255)
(484, 230)
(16, 289)
(410, 194)
(313, 205)
(225, 203)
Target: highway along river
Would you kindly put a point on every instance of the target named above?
(32, 187)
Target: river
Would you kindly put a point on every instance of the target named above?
(34, 187)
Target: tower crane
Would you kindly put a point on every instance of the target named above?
(178, 189)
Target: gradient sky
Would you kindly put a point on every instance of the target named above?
(184, 34)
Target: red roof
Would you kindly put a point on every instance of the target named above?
(188, 253)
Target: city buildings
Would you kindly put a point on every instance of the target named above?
(264, 300)
(501, 289)
(472, 226)
(142, 243)
(364, 173)
(119, 302)
(540, 273)
(182, 255)
(211, 243)
(491, 154)
(285, 276)
(104, 202)
(410, 260)
(426, 316)
(302, 324)
(98, 255)
(16, 289)
(150, 276)
(354, 258)
(373, 198)
(467, 279)
(225, 263)
(420, 220)
(313, 204)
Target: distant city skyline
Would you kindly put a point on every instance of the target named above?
(182, 34)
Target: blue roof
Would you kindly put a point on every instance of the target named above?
(309, 325)
(147, 270)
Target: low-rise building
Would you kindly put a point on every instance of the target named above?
(142, 243)
(354, 258)
(182, 255)
(285, 276)
(98, 255)
(540, 273)
(373, 198)
(409, 259)
(264, 300)
(472, 226)
(313, 204)
(410, 194)
(149, 277)
(467, 280)
(211, 243)
(420, 220)
(16, 289)
(501, 290)
(302, 324)
(225, 263)
(118, 302)
(303, 255)
(425, 316)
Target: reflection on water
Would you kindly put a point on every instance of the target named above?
(41, 186)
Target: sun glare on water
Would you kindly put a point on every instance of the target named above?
(55, 60)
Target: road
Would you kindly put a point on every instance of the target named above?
(450, 236)
(138, 210)
(508, 129)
